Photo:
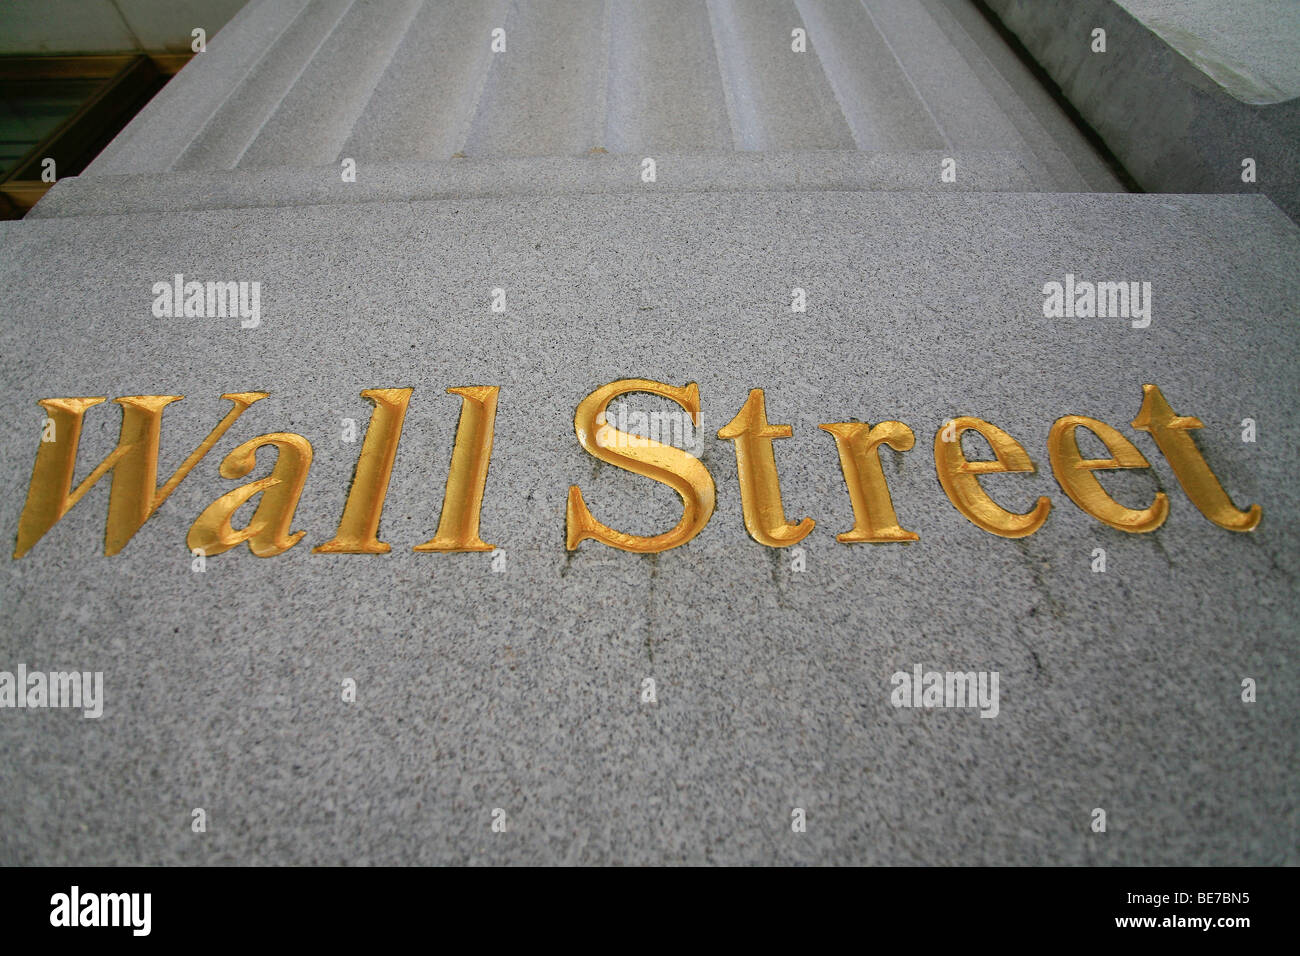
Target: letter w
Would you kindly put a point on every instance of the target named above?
(135, 494)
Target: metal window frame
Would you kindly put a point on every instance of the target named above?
(130, 80)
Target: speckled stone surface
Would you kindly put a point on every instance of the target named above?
(520, 690)
(307, 84)
(1168, 96)
(831, 170)
(1258, 41)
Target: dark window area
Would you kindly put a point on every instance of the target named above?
(66, 109)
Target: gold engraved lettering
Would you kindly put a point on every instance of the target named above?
(858, 443)
(960, 478)
(462, 501)
(134, 494)
(760, 486)
(1074, 474)
(267, 532)
(1171, 434)
(674, 467)
(358, 531)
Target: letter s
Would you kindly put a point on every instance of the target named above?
(678, 469)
